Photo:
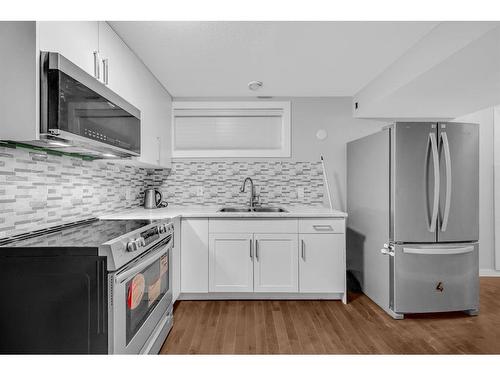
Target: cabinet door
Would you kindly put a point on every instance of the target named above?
(276, 263)
(132, 80)
(75, 40)
(176, 260)
(231, 262)
(322, 263)
(194, 256)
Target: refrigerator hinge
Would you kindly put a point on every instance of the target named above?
(388, 249)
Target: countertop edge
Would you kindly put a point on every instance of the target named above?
(162, 213)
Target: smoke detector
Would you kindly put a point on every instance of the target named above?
(254, 85)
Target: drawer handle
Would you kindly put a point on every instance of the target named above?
(441, 251)
(323, 228)
(303, 245)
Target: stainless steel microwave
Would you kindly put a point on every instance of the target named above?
(79, 114)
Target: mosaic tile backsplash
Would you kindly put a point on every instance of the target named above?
(275, 181)
(40, 190)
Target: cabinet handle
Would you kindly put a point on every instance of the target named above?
(251, 250)
(325, 228)
(303, 250)
(159, 149)
(257, 250)
(105, 71)
(97, 66)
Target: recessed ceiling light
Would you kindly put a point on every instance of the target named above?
(254, 85)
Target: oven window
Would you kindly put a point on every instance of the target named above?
(144, 290)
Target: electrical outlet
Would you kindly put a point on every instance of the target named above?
(128, 195)
(199, 191)
(300, 192)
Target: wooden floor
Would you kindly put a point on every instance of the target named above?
(329, 327)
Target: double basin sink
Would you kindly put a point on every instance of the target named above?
(252, 209)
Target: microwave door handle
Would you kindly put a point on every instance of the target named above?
(447, 160)
(435, 159)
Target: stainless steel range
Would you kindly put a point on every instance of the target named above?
(88, 287)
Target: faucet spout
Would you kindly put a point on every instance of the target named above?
(252, 191)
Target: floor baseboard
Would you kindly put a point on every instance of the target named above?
(485, 272)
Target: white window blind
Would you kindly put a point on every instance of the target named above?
(242, 129)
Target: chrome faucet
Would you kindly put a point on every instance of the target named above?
(252, 191)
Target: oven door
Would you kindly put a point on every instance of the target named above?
(140, 300)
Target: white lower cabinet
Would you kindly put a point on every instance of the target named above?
(194, 256)
(276, 263)
(263, 258)
(321, 263)
(231, 262)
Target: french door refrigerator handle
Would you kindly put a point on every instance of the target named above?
(435, 159)
(447, 160)
(439, 251)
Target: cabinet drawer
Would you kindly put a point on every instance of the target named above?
(321, 226)
(257, 225)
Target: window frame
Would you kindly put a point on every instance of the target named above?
(283, 152)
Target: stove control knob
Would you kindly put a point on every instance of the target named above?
(132, 246)
(141, 241)
(161, 228)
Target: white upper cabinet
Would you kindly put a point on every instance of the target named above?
(276, 263)
(121, 63)
(123, 72)
(126, 75)
(75, 40)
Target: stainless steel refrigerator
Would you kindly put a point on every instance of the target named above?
(413, 224)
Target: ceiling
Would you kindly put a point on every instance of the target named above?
(218, 59)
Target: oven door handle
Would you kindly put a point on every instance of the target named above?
(123, 275)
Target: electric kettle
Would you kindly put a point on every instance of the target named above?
(153, 199)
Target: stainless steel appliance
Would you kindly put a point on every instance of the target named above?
(89, 287)
(153, 198)
(413, 225)
(79, 114)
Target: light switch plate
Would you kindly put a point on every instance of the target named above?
(199, 191)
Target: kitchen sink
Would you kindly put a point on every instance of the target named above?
(269, 209)
(254, 209)
(235, 209)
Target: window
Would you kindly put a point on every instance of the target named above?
(231, 129)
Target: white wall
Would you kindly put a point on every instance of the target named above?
(486, 193)
(308, 115)
(496, 183)
(335, 116)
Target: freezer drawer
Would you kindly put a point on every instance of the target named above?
(435, 278)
